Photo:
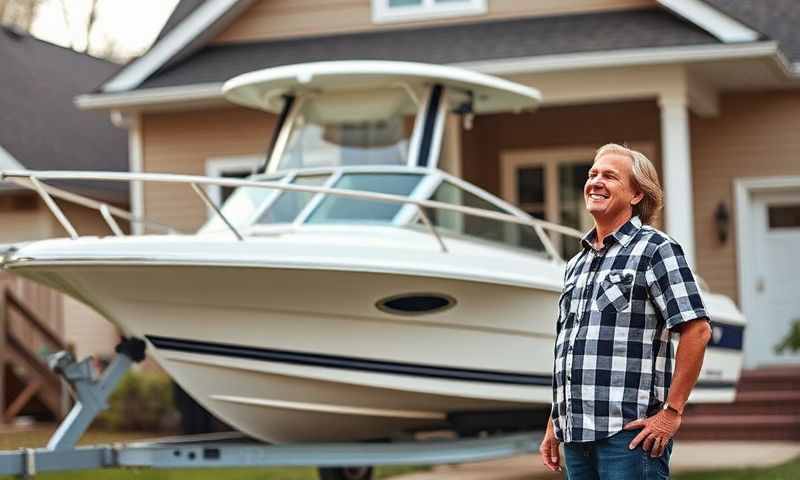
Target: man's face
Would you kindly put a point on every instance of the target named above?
(609, 189)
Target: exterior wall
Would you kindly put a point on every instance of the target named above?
(592, 125)
(755, 135)
(270, 19)
(181, 142)
(23, 217)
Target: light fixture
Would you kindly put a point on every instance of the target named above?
(722, 220)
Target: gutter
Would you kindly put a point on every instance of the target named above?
(166, 97)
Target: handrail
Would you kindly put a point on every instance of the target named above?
(18, 177)
(49, 334)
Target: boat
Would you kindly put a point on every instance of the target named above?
(353, 288)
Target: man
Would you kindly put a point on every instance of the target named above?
(616, 403)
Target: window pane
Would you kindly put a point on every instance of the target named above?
(289, 204)
(241, 206)
(530, 185)
(571, 179)
(347, 210)
(784, 216)
(351, 129)
(485, 228)
(226, 192)
(404, 3)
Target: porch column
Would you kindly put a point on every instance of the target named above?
(677, 170)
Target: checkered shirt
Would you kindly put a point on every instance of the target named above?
(613, 354)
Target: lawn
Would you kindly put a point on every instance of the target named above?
(38, 437)
(787, 471)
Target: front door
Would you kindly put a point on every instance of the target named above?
(775, 288)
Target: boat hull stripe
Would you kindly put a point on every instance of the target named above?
(363, 365)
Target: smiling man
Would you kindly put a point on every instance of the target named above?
(616, 403)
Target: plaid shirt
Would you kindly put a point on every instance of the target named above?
(613, 354)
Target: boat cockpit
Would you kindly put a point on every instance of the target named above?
(372, 127)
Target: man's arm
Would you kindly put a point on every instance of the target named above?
(695, 335)
(551, 457)
(675, 294)
(661, 427)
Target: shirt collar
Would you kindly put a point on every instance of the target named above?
(623, 235)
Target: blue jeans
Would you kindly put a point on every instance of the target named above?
(611, 459)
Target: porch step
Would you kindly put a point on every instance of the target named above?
(770, 379)
(780, 402)
(767, 407)
(740, 427)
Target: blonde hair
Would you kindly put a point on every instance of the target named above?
(645, 179)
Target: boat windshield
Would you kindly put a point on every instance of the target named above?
(349, 129)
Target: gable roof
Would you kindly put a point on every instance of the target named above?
(195, 21)
(44, 130)
(523, 38)
(777, 19)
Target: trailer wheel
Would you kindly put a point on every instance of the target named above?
(345, 473)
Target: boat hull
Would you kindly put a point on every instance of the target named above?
(301, 355)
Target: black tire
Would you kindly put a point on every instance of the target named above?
(345, 473)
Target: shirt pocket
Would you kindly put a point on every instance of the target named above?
(615, 291)
(564, 305)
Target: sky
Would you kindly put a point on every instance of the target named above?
(131, 25)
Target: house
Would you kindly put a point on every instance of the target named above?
(41, 129)
(708, 89)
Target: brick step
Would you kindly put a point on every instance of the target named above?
(785, 402)
(770, 378)
(740, 427)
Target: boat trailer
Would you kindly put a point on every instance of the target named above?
(221, 450)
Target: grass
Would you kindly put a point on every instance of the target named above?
(38, 437)
(787, 471)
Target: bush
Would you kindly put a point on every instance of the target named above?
(141, 402)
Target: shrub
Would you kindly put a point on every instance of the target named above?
(141, 402)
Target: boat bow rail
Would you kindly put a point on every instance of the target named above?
(34, 180)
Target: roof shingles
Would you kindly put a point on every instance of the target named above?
(443, 45)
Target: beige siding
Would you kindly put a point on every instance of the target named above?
(23, 217)
(182, 142)
(754, 136)
(270, 19)
(594, 125)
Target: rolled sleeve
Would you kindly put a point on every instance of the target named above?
(673, 287)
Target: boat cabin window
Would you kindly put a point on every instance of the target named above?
(351, 128)
(240, 207)
(289, 204)
(513, 234)
(338, 209)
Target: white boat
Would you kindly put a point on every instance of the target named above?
(353, 290)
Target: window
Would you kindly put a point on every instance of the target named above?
(347, 129)
(384, 11)
(484, 228)
(548, 184)
(229, 167)
(338, 209)
(783, 216)
(289, 204)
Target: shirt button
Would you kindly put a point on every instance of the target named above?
(569, 377)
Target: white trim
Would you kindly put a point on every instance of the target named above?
(136, 165)
(715, 22)
(216, 166)
(622, 58)
(159, 97)
(382, 12)
(743, 189)
(202, 23)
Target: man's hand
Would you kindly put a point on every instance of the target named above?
(656, 431)
(551, 457)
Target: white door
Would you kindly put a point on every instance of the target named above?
(775, 288)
